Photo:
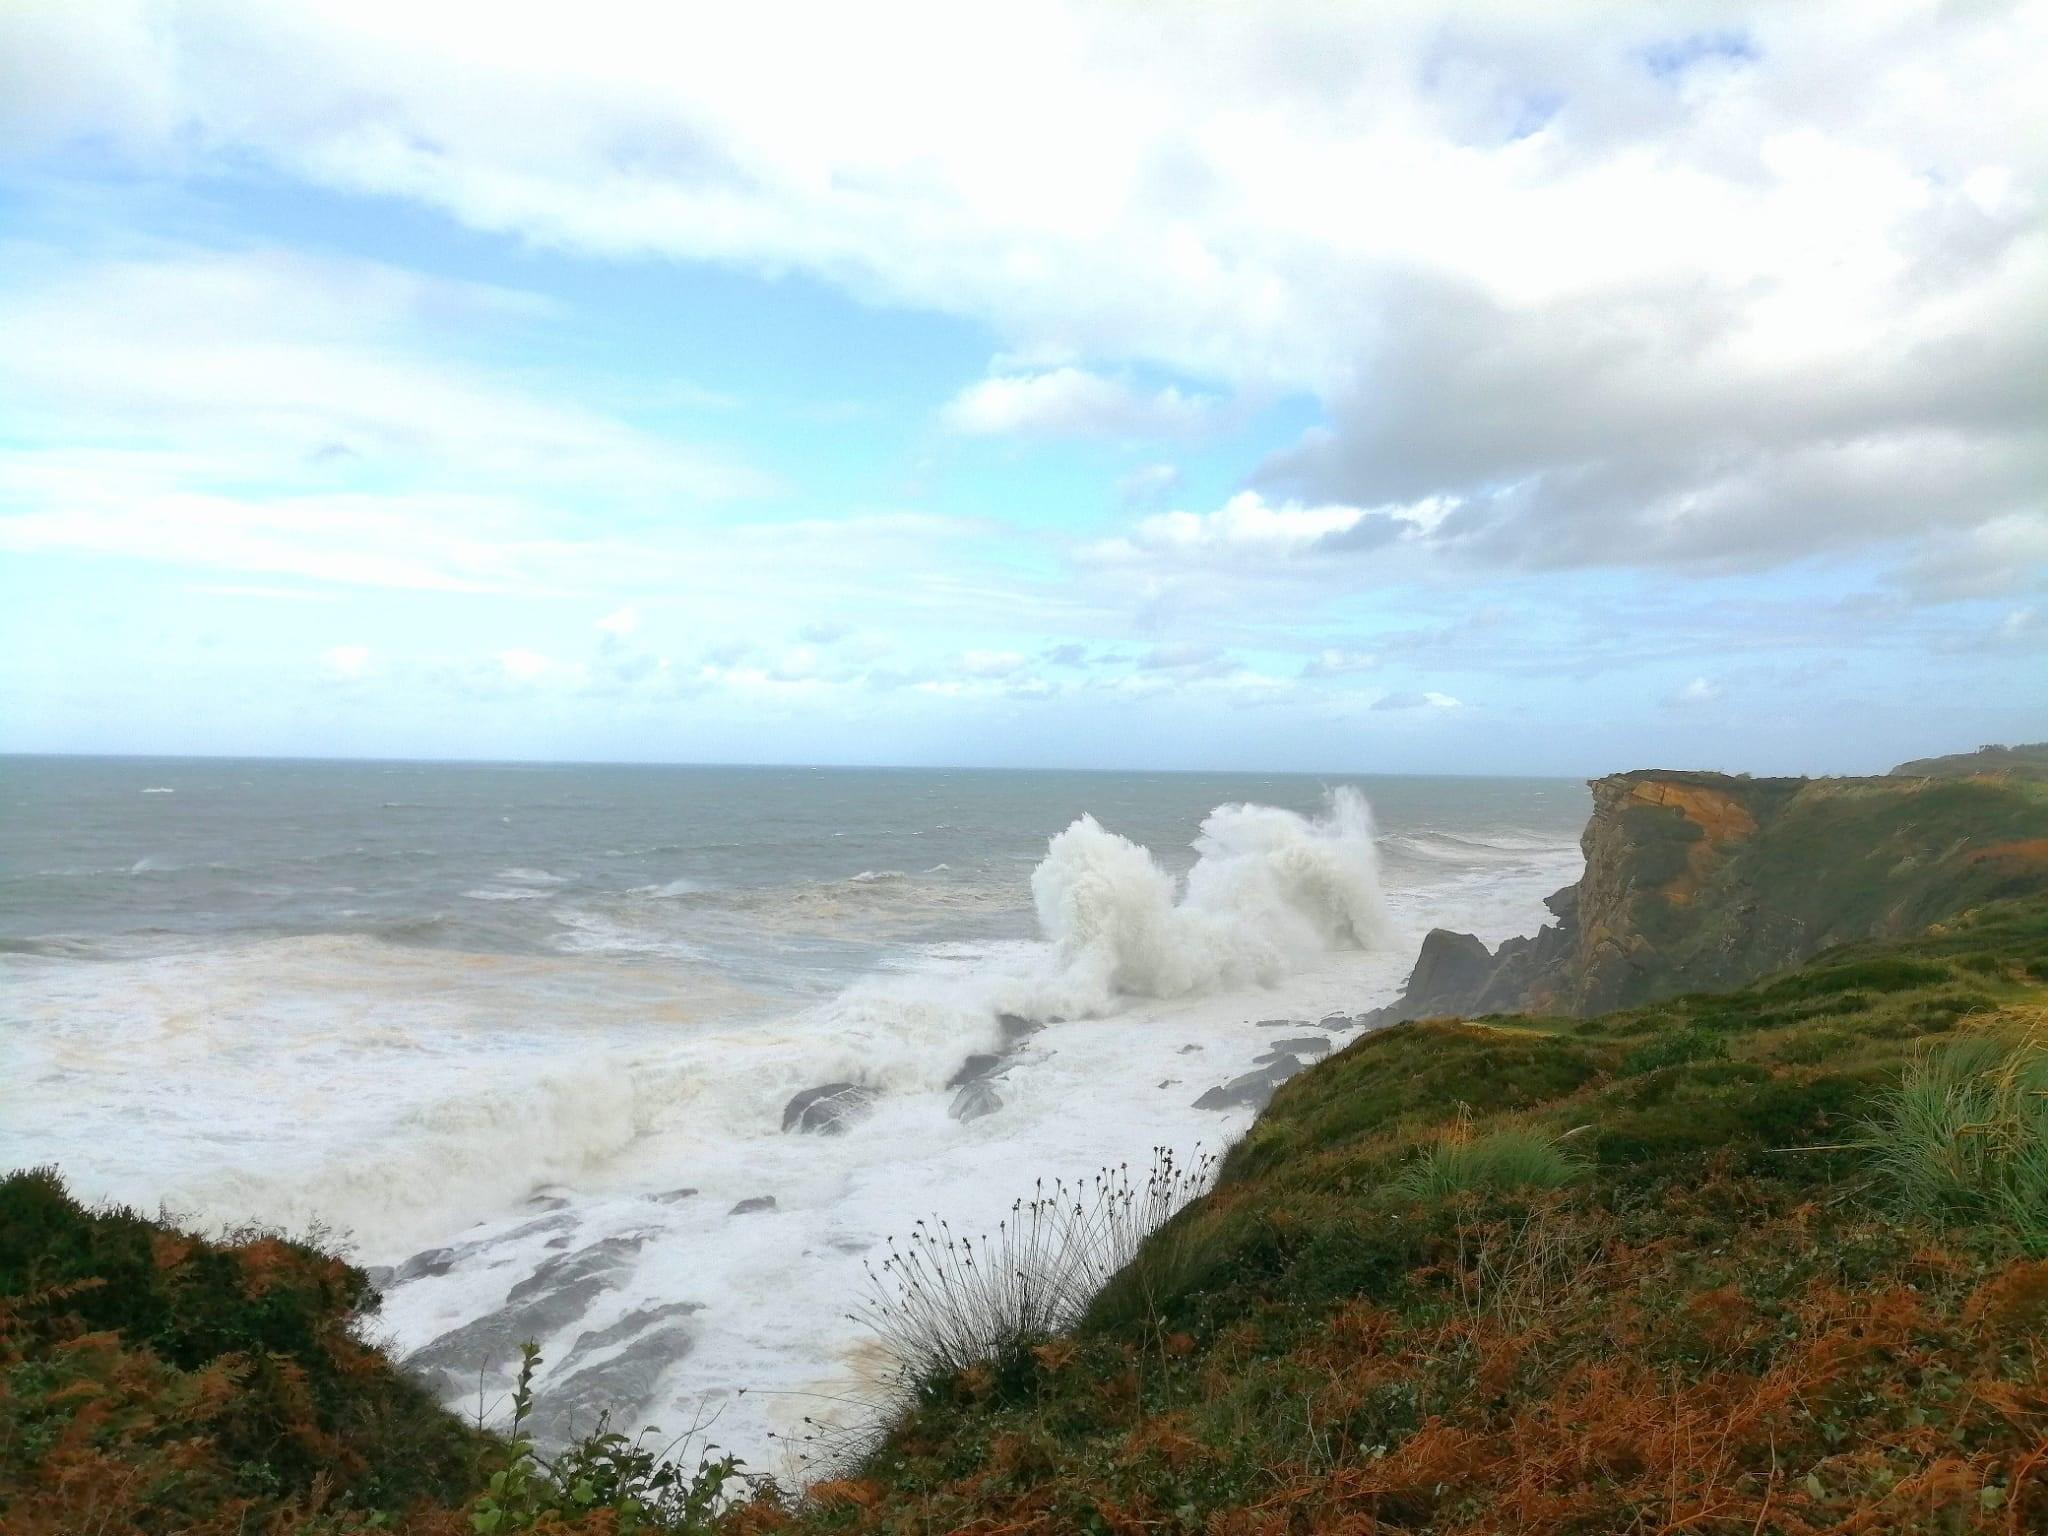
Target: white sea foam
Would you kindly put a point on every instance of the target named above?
(419, 1096)
(1270, 891)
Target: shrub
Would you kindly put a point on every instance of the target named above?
(1673, 1049)
(622, 1486)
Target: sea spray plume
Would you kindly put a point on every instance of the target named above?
(1270, 891)
(940, 1303)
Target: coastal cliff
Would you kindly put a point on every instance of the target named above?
(1704, 881)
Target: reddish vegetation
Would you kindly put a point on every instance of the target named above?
(2031, 851)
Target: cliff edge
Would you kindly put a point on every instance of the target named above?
(1705, 881)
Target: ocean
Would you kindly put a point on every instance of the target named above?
(522, 1036)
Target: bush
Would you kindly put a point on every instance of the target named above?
(1673, 1049)
(619, 1483)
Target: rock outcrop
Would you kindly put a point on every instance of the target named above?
(827, 1109)
(1704, 881)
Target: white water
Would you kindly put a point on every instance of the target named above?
(420, 1097)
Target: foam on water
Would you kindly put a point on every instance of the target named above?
(421, 1097)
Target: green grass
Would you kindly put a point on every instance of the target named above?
(1964, 1136)
(1494, 1163)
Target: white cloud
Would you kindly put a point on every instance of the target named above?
(297, 371)
(1695, 306)
(1072, 402)
(1248, 528)
(992, 663)
(524, 666)
(621, 623)
(1417, 700)
(1701, 690)
(345, 661)
(1149, 485)
(1339, 663)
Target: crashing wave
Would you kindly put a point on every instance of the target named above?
(1270, 892)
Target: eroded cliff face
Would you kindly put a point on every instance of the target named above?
(1699, 881)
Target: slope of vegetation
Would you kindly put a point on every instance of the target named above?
(1763, 1261)
(154, 1381)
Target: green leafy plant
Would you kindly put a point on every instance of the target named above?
(639, 1489)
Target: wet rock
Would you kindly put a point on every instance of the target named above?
(974, 1100)
(616, 1368)
(979, 1065)
(547, 1202)
(1283, 1024)
(1016, 1027)
(752, 1204)
(1253, 1089)
(379, 1276)
(1334, 1021)
(1189, 1050)
(544, 1303)
(827, 1109)
(429, 1261)
(1301, 1045)
(671, 1196)
(557, 1242)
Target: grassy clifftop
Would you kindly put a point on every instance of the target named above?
(2029, 761)
(1704, 880)
(1719, 1264)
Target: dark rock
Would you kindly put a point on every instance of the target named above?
(557, 1242)
(1187, 1050)
(379, 1276)
(976, 1066)
(974, 1100)
(1334, 1021)
(1450, 966)
(547, 1301)
(826, 1109)
(752, 1204)
(596, 1262)
(1016, 1027)
(546, 1202)
(1302, 1045)
(1253, 1089)
(642, 1346)
(429, 1261)
(1283, 1024)
(1452, 975)
(671, 1196)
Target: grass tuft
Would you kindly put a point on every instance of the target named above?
(1493, 1163)
(1964, 1135)
(941, 1304)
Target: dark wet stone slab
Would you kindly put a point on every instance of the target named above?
(827, 1109)
(554, 1296)
(975, 1100)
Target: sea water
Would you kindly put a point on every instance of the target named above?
(543, 1020)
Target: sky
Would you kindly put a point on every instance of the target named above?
(1549, 388)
